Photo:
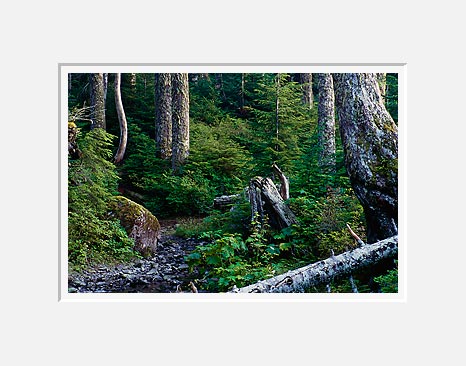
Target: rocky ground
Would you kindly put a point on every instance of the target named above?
(166, 272)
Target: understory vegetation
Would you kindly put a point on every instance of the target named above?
(234, 136)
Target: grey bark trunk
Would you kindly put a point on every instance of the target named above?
(323, 272)
(326, 123)
(97, 100)
(306, 81)
(122, 120)
(370, 142)
(163, 115)
(180, 120)
(277, 110)
(105, 79)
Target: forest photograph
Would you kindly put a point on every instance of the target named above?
(232, 182)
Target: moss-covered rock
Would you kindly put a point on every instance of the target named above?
(139, 223)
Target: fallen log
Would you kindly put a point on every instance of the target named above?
(322, 272)
(226, 200)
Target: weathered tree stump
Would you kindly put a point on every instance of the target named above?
(269, 201)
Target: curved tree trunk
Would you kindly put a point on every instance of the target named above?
(163, 115)
(326, 123)
(122, 119)
(180, 120)
(97, 100)
(370, 142)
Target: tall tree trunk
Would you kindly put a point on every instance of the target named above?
(277, 106)
(180, 120)
(132, 81)
(69, 81)
(370, 142)
(122, 120)
(163, 115)
(105, 80)
(308, 97)
(219, 86)
(97, 101)
(326, 123)
(242, 91)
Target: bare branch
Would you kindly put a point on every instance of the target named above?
(357, 238)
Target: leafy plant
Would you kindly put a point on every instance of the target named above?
(93, 235)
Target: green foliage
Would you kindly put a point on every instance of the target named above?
(225, 260)
(218, 157)
(94, 236)
(388, 282)
(391, 98)
(277, 114)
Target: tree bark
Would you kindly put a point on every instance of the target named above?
(277, 106)
(323, 272)
(97, 100)
(370, 142)
(306, 81)
(163, 115)
(105, 80)
(180, 120)
(121, 119)
(326, 123)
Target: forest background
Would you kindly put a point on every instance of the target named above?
(239, 124)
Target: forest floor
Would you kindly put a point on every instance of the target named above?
(162, 273)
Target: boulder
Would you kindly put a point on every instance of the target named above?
(139, 223)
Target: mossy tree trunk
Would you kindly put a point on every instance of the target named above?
(163, 115)
(370, 141)
(326, 123)
(122, 120)
(306, 81)
(97, 100)
(180, 119)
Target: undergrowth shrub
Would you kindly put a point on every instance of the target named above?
(94, 236)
